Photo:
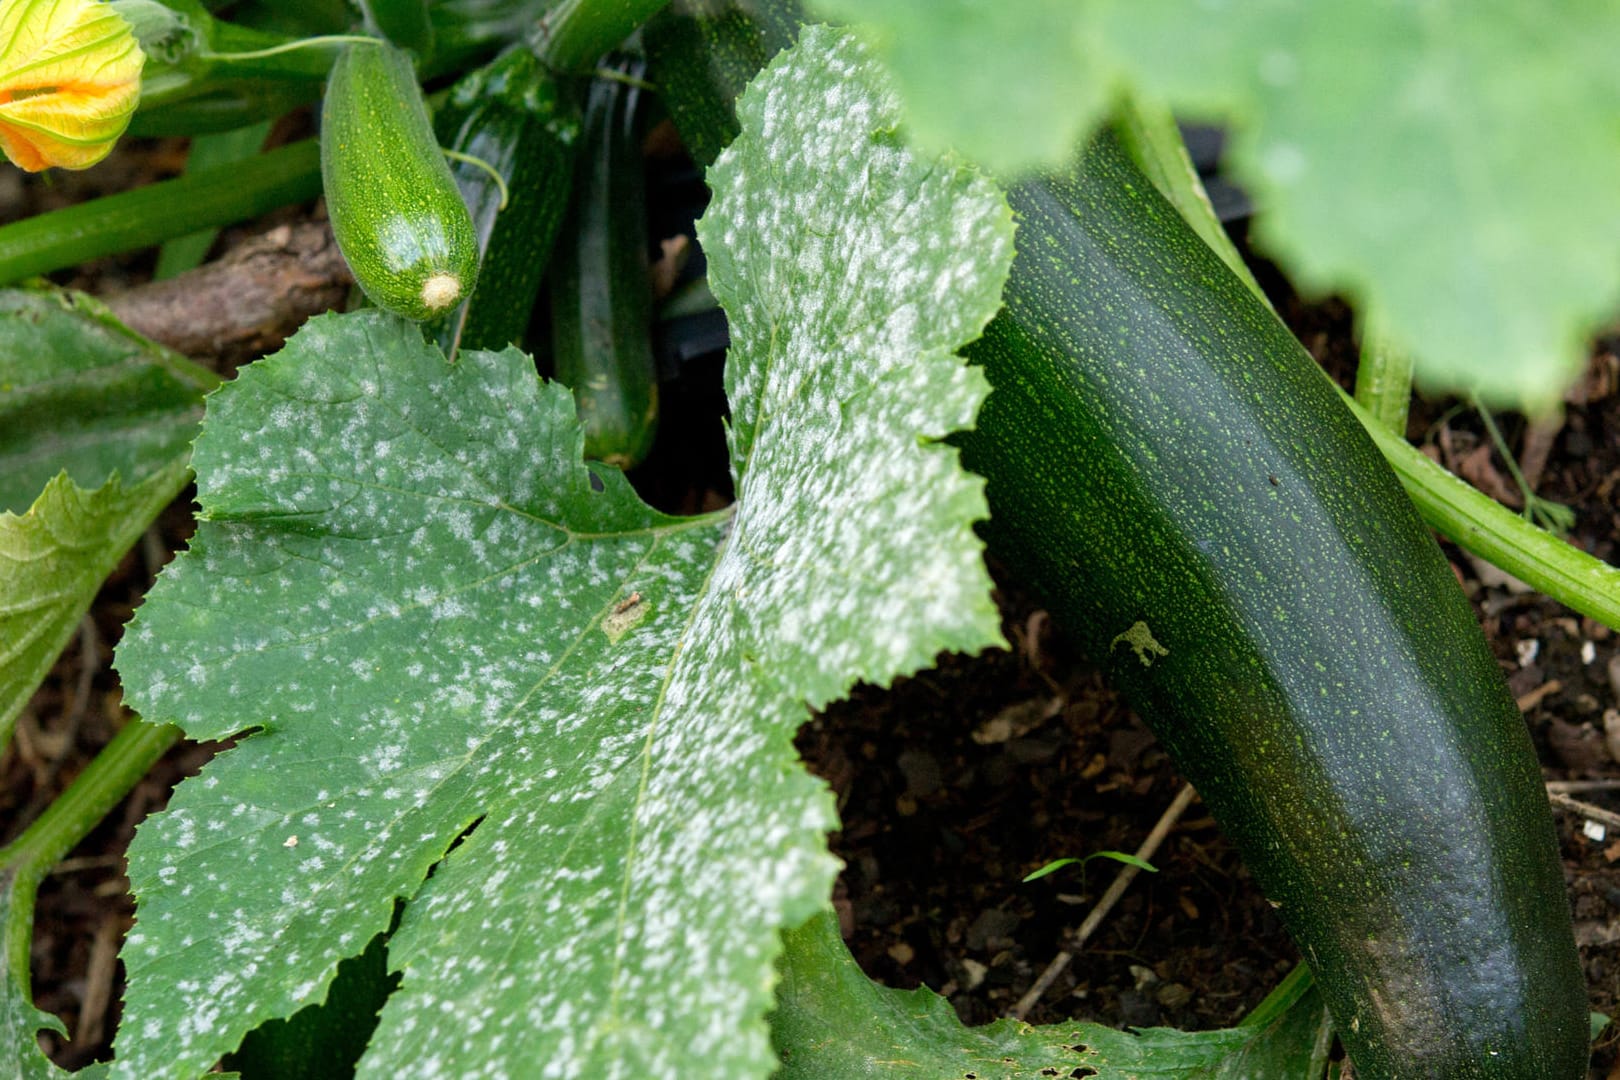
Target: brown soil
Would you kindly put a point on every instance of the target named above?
(956, 783)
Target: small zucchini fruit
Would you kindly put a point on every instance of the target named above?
(396, 213)
(601, 295)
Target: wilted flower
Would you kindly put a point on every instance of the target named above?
(70, 78)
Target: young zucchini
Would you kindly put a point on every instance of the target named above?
(1167, 465)
(512, 115)
(601, 298)
(395, 210)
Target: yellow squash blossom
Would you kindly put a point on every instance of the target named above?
(70, 78)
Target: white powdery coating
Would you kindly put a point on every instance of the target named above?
(404, 578)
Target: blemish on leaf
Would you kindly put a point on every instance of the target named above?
(1141, 641)
(624, 617)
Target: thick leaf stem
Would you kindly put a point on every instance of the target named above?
(208, 151)
(158, 212)
(1471, 519)
(574, 34)
(1154, 142)
(1496, 534)
(105, 781)
(1384, 382)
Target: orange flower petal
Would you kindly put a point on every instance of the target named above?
(70, 79)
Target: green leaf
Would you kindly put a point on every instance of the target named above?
(83, 401)
(833, 1023)
(28, 857)
(53, 560)
(405, 580)
(1013, 85)
(20, 1055)
(80, 391)
(1446, 165)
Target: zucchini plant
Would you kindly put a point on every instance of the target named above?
(513, 789)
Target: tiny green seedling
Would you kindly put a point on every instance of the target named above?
(1118, 856)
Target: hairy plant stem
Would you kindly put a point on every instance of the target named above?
(158, 212)
(1471, 519)
(1384, 382)
(1153, 140)
(1496, 534)
(26, 860)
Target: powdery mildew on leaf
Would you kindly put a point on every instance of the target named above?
(1012, 85)
(1447, 165)
(405, 580)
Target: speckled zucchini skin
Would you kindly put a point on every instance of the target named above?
(513, 114)
(396, 213)
(601, 299)
(1170, 469)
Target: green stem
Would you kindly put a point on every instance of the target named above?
(574, 34)
(1293, 987)
(624, 77)
(1471, 519)
(208, 151)
(286, 47)
(484, 166)
(1384, 382)
(223, 104)
(1552, 515)
(1153, 140)
(26, 860)
(159, 212)
(1496, 534)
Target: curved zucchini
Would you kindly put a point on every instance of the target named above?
(512, 115)
(601, 298)
(395, 210)
(1167, 467)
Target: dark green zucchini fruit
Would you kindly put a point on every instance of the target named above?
(1177, 478)
(1171, 470)
(514, 116)
(601, 295)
